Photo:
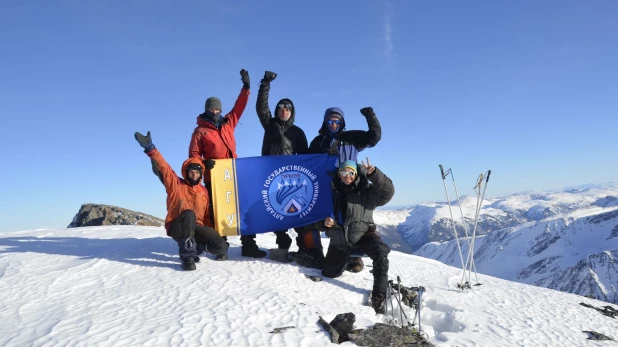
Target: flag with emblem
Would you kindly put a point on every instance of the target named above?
(270, 193)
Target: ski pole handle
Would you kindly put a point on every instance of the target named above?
(442, 171)
(488, 173)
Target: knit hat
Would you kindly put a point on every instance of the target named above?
(349, 163)
(213, 103)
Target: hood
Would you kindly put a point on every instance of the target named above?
(324, 129)
(292, 117)
(192, 161)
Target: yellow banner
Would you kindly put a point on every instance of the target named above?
(225, 197)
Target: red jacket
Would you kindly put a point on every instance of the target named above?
(180, 195)
(208, 142)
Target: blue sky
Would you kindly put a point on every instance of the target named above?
(527, 89)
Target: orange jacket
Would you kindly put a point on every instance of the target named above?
(180, 195)
(210, 142)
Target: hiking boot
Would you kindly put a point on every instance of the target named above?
(355, 265)
(378, 302)
(221, 257)
(252, 252)
(188, 264)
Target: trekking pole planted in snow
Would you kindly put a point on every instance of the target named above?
(400, 307)
(420, 297)
(444, 175)
(480, 196)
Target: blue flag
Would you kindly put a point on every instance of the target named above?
(271, 193)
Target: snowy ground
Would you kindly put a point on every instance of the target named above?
(122, 286)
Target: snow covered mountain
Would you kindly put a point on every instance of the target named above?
(122, 286)
(565, 240)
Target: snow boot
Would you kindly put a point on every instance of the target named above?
(252, 251)
(355, 264)
(188, 264)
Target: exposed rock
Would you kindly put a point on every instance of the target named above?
(606, 310)
(280, 330)
(334, 335)
(382, 335)
(593, 335)
(343, 323)
(314, 278)
(96, 215)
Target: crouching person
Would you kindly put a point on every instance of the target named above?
(353, 228)
(187, 208)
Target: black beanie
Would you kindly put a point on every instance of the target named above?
(213, 103)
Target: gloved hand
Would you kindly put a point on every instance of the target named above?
(367, 111)
(269, 76)
(334, 148)
(244, 77)
(144, 141)
(208, 163)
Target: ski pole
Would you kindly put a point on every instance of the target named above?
(448, 200)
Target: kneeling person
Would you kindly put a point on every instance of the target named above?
(353, 228)
(187, 208)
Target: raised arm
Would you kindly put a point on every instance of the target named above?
(241, 101)
(261, 106)
(167, 175)
(366, 139)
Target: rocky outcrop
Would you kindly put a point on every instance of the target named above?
(95, 215)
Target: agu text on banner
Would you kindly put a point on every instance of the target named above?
(271, 193)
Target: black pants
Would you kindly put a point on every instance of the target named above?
(184, 231)
(371, 244)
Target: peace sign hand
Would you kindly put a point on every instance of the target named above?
(368, 167)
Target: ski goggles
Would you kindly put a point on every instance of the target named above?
(346, 173)
(334, 121)
(288, 106)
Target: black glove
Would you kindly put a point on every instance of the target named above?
(269, 76)
(208, 163)
(145, 141)
(334, 148)
(367, 111)
(244, 77)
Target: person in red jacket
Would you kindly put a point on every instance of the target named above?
(213, 138)
(188, 211)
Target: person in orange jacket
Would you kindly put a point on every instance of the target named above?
(213, 138)
(188, 211)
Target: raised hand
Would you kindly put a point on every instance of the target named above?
(329, 222)
(269, 76)
(244, 77)
(368, 167)
(367, 111)
(144, 141)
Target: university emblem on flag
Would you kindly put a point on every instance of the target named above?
(290, 191)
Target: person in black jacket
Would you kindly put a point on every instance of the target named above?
(353, 229)
(281, 136)
(335, 140)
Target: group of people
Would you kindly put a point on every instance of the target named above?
(358, 188)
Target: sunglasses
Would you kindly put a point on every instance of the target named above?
(288, 106)
(346, 173)
(334, 121)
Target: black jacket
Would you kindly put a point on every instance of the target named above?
(280, 138)
(353, 207)
(350, 142)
